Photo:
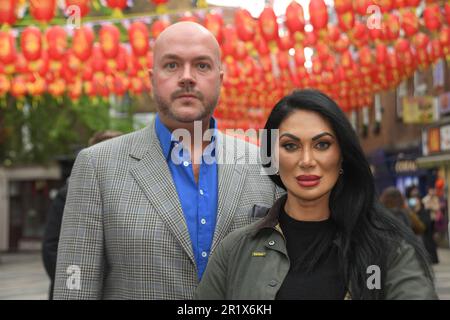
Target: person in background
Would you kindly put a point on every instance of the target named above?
(392, 199)
(418, 209)
(55, 214)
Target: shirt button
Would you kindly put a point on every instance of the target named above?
(204, 254)
(185, 163)
(273, 283)
(203, 221)
(201, 192)
(271, 243)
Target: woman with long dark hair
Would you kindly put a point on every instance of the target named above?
(328, 237)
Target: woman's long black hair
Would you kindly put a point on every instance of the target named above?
(366, 232)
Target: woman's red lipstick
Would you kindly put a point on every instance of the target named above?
(308, 180)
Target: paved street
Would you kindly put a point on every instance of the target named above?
(22, 276)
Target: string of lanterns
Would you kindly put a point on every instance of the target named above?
(337, 51)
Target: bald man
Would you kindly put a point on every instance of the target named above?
(145, 210)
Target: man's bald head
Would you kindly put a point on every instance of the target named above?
(189, 31)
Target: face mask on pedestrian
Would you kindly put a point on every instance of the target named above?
(412, 202)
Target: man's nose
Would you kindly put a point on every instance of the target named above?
(187, 78)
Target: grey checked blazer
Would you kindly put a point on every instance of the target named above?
(123, 227)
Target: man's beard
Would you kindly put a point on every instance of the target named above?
(165, 108)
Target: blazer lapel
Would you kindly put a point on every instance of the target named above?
(153, 176)
(231, 180)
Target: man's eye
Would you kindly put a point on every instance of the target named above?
(203, 66)
(171, 65)
(323, 145)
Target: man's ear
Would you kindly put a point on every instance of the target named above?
(150, 73)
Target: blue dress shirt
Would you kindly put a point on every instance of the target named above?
(198, 200)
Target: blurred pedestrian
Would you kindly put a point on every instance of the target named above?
(418, 208)
(393, 200)
(55, 214)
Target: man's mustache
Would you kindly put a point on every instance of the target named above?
(179, 93)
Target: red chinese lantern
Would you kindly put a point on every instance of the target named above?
(319, 16)
(5, 85)
(158, 27)
(82, 43)
(109, 40)
(392, 24)
(8, 12)
(444, 37)
(447, 12)
(230, 39)
(365, 57)
(342, 6)
(75, 89)
(360, 37)
(436, 50)
(57, 42)
(116, 4)
(285, 42)
(334, 33)
(410, 23)
(43, 10)
(361, 6)
(136, 86)
(57, 87)
(412, 3)
(283, 60)
(36, 86)
(98, 60)
(346, 20)
(84, 6)
(385, 5)
(40, 65)
(161, 6)
(432, 17)
(310, 39)
(31, 43)
(295, 21)
(421, 40)
(7, 47)
(268, 24)
(214, 23)
(262, 47)
(245, 25)
(381, 54)
(343, 43)
(71, 63)
(138, 36)
(21, 64)
(18, 86)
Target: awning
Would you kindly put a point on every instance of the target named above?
(433, 161)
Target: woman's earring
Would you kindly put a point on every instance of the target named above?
(341, 171)
(278, 173)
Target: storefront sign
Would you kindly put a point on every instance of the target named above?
(402, 166)
(445, 138)
(444, 103)
(420, 109)
(434, 144)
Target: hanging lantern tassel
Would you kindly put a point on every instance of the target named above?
(202, 4)
(161, 7)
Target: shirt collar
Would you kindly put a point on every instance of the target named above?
(167, 141)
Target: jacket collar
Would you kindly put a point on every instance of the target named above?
(271, 220)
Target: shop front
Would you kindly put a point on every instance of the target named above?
(436, 154)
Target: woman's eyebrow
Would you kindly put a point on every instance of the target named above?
(320, 135)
